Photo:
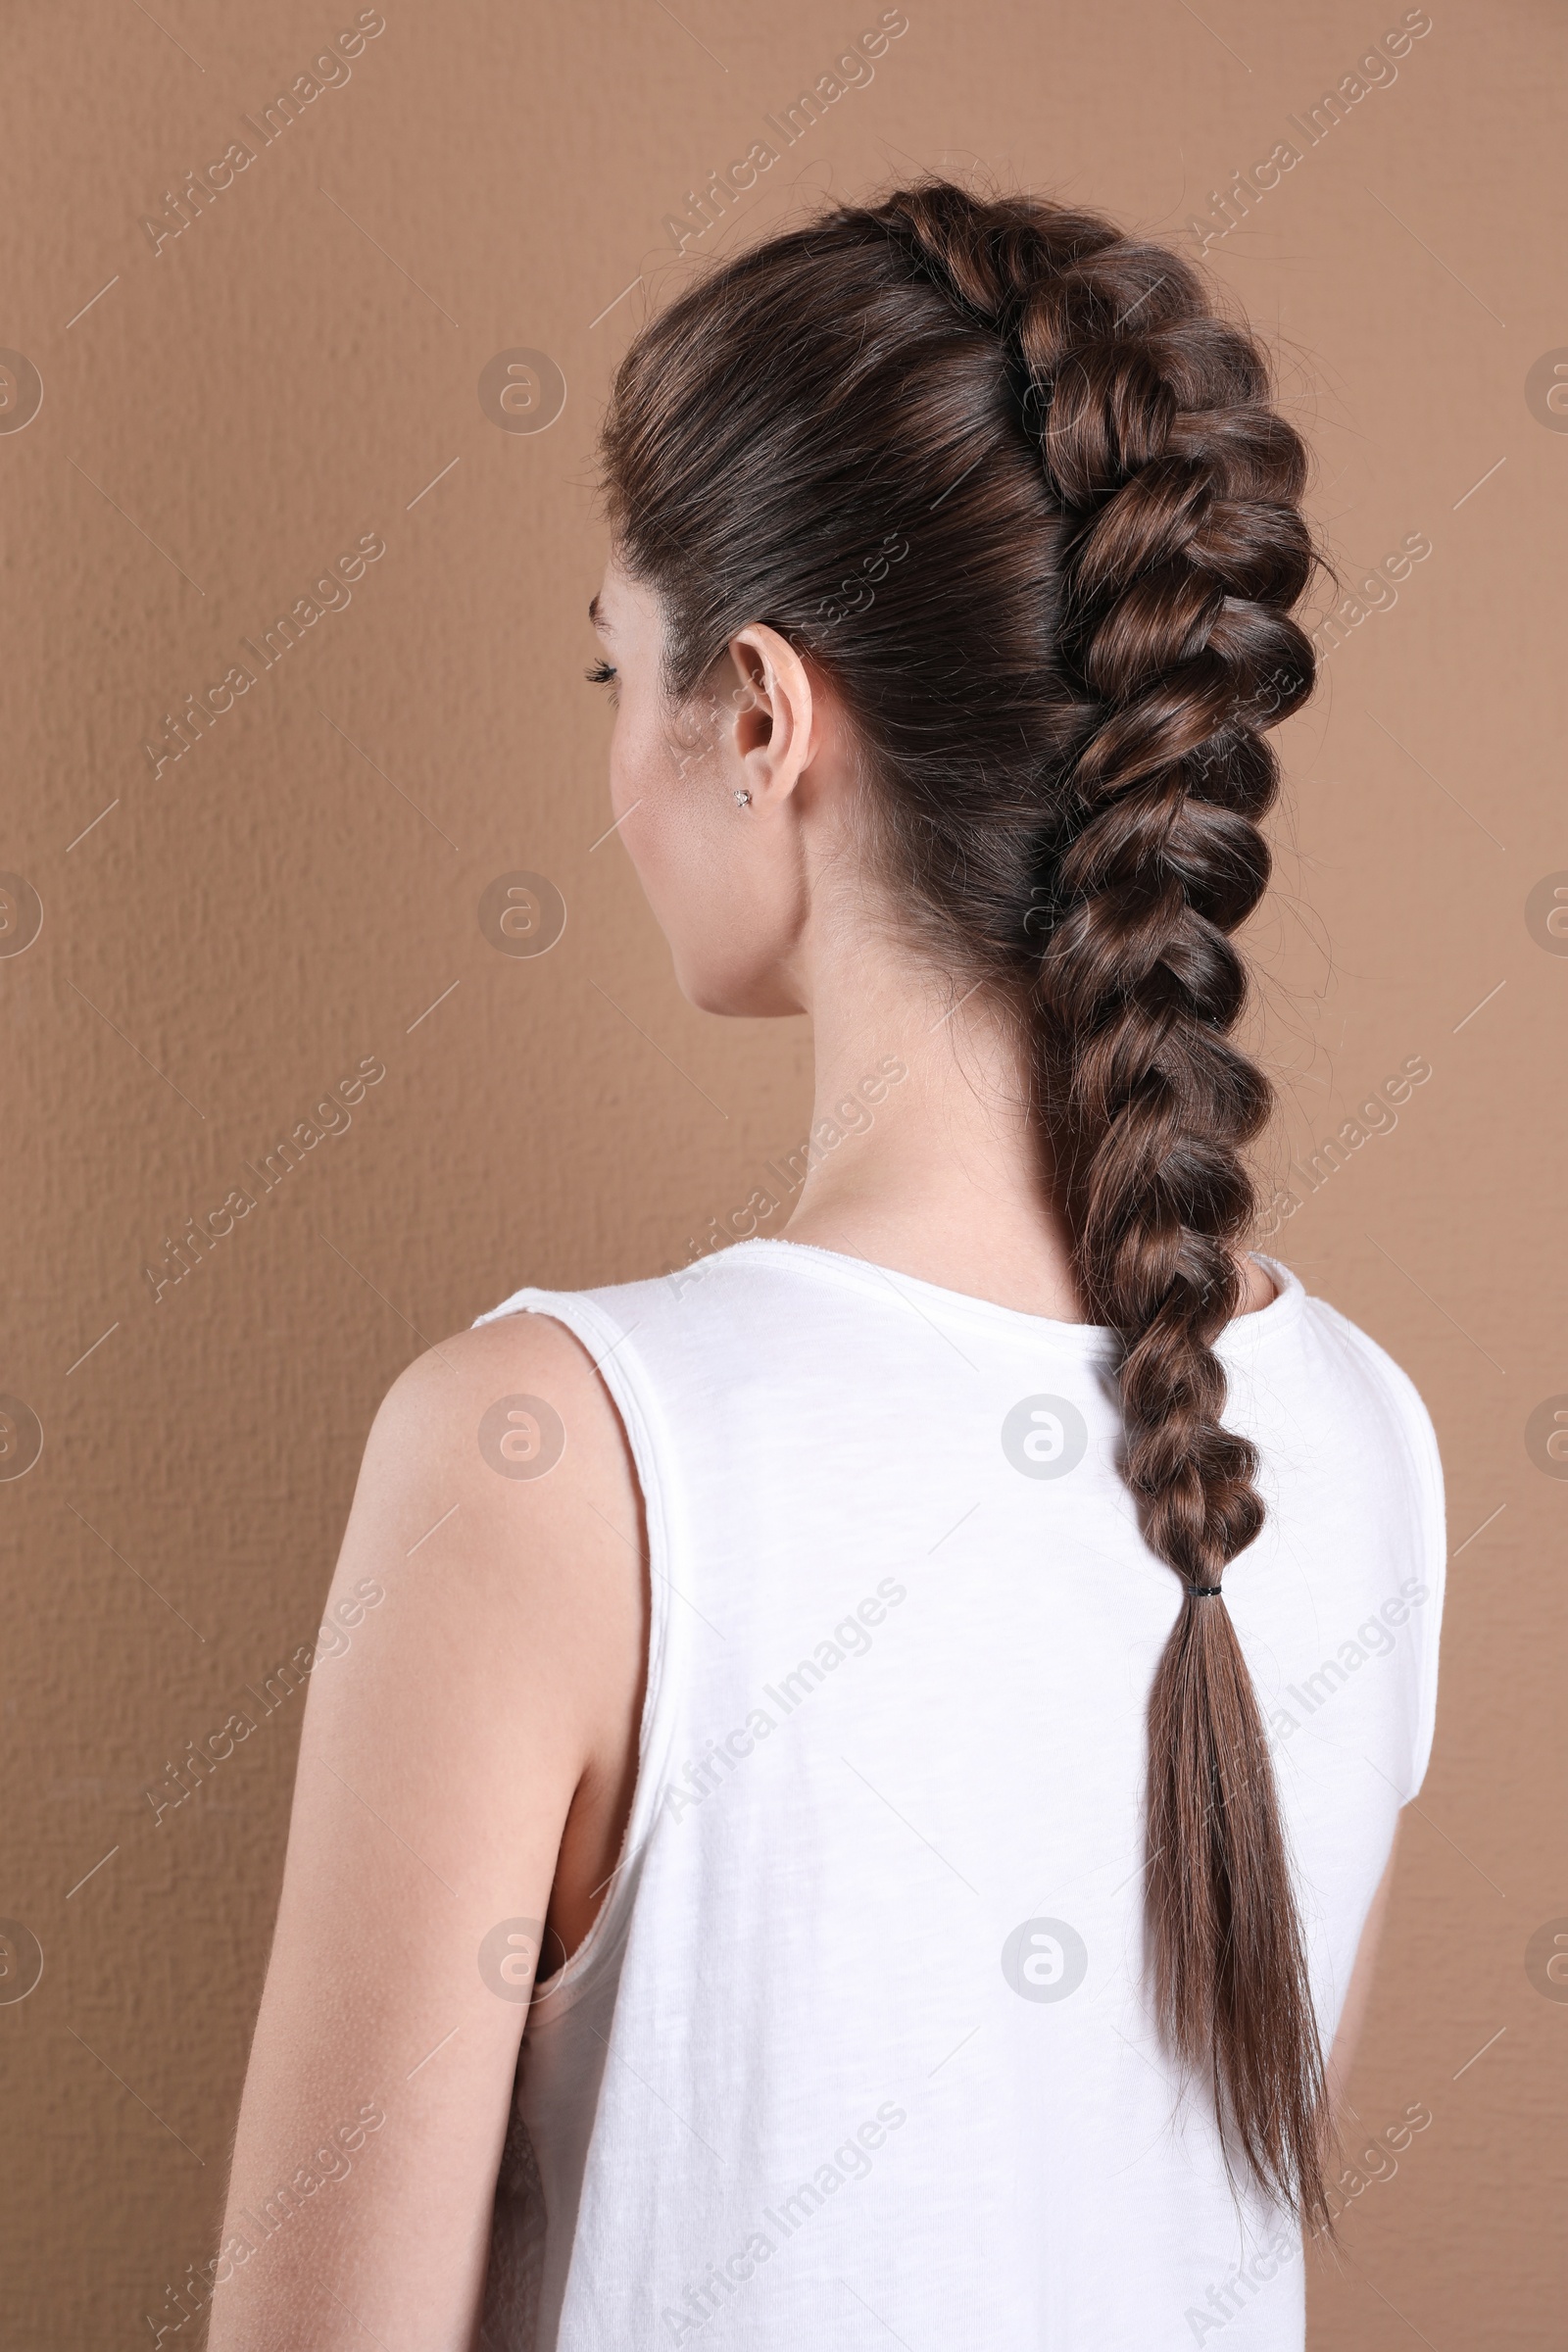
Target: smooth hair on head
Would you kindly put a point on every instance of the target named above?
(1003, 474)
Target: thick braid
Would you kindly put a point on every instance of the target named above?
(1185, 551)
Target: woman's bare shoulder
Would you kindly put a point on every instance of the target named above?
(1258, 1286)
(518, 1399)
(497, 1506)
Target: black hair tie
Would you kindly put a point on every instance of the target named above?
(1204, 1592)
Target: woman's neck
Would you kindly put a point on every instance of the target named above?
(927, 1156)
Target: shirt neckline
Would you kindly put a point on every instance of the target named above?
(1094, 1340)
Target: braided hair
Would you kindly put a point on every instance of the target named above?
(1001, 471)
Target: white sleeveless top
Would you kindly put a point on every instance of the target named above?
(857, 2051)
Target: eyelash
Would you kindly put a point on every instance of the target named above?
(601, 673)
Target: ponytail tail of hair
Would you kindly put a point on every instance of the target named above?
(1228, 1967)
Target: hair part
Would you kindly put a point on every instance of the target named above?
(1001, 471)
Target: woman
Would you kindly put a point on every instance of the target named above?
(896, 1673)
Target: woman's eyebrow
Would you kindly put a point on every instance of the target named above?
(596, 615)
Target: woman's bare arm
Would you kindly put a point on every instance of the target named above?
(491, 1692)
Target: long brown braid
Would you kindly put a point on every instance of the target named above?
(1064, 685)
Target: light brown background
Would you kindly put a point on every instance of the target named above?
(229, 939)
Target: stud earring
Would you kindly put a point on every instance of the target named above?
(742, 799)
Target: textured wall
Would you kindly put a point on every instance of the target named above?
(314, 368)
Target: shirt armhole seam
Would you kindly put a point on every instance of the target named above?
(608, 1350)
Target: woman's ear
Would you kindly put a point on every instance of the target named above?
(773, 706)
